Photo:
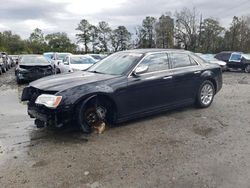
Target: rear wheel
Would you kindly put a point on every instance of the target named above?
(205, 94)
(247, 69)
(91, 115)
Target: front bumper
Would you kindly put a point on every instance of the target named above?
(50, 117)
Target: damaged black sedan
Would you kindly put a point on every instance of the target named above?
(123, 86)
(33, 67)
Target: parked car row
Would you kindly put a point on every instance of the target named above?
(6, 62)
(229, 60)
(67, 62)
(32, 67)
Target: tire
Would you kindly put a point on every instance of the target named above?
(1, 71)
(58, 71)
(247, 69)
(205, 94)
(87, 116)
(18, 81)
(4, 69)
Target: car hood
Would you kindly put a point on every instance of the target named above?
(62, 82)
(35, 64)
(222, 63)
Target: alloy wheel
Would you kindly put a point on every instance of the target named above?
(207, 94)
(247, 69)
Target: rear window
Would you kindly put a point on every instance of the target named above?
(182, 60)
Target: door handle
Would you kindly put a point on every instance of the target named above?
(197, 72)
(167, 77)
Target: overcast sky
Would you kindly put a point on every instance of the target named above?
(23, 16)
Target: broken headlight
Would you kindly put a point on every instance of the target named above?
(50, 101)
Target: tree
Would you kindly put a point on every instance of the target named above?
(210, 36)
(104, 35)
(84, 36)
(94, 33)
(59, 42)
(37, 41)
(186, 29)
(237, 38)
(146, 33)
(12, 43)
(164, 32)
(120, 39)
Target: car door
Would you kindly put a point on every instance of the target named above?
(150, 90)
(186, 75)
(235, 61)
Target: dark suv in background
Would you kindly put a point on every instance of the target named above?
(235, 60)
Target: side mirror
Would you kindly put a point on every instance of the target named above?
(140, 70)
(66, 63)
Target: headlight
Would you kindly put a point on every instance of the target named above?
(50, 101)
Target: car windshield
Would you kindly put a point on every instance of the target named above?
(34, 60)
(48, 56)
(61, 56)
(81, 60)
(116, 64)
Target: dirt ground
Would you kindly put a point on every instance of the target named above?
(184, 148)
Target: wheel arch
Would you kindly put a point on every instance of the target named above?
(209, 75)
(102, 97)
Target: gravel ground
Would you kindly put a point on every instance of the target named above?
(184, 148)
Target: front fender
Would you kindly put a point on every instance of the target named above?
(74, 95)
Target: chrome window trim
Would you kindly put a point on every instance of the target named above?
(170, 63)
(148, 54)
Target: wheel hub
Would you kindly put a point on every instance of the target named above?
(206, 94)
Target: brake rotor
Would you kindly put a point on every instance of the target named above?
(95, 117)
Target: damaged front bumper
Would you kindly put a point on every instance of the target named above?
(49, 117)
(30, 76)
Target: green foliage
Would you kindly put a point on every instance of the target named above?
(120, 39)
(85, 33)
(164, 29)
(59, 42)
(146, 33)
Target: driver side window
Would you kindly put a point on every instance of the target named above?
(156, 62)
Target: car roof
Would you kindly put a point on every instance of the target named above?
(229, 52)
(153, 50)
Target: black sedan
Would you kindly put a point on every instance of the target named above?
(123, 86)
(33, 67)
